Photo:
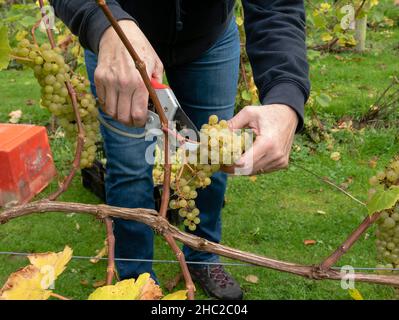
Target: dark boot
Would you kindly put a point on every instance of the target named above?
(216, 282)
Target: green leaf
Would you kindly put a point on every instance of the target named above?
(4, 48)
(319, 22)
(383, 199)
(323, 100)
(246, 95)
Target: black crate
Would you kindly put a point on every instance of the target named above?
(93, 180)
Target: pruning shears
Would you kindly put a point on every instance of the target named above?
(177, 118)
(173, 111)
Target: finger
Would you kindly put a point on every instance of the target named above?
(157, 73)
(111, 101)
(241, 119)
(253, 154)
(124, 108)
(139, 105)
(100, 89)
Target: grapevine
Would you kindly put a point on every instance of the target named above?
(52, 72)
(387, 232)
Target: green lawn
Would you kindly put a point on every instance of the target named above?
(271, 216)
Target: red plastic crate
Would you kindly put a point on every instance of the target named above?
(26, 162)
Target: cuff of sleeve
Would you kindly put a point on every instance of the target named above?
(290, 95)
(97, 23)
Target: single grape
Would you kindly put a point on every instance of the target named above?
(389, 223)
(213, 119)
(182, 203)
(380, 175)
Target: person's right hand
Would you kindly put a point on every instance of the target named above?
(120, 88)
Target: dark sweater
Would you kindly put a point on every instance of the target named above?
(180, 30)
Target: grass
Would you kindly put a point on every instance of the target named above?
(271, 215)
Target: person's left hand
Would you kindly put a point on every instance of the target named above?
(274, 126)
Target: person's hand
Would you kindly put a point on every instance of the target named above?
(274, 126)
(120, 88)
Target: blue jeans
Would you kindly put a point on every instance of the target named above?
(203, 87)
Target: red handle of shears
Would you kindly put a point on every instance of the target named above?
(156, 85)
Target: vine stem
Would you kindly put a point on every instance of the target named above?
(111, 250)
(48, 30)
(58, 296)
(154, 220)
(33, 30)
(183, 265)
(141, 67)
(349, 242)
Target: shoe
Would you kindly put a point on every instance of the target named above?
(216, 282)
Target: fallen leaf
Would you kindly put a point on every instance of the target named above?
(373, 162)
(84, 282)
(355, 294)
(101, 253)
(252, 278)
(99, 283)
(15, 116)
(30, 102)
(309, 242)
(178, 295)
(77, 226)
(253, 178)
(321, 212)
(336, 156)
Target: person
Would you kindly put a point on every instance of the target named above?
(197, 45)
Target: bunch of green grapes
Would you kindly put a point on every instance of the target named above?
(52, 72)
(388, 224)
(218, 146)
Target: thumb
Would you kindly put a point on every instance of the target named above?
(157, 72)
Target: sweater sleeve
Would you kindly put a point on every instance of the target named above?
(86, 20)
(275, 31)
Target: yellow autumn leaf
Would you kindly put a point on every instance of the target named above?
(253, 178)
(178, 295)
(239, 21)
(150, 291)
(75, 50)
(56, 261)
(355, 294)
(45, 2)
(26, 284)
(123, 290)
(102, 253)
(326, 37)
(315, 13)
(336, 156)
(325, 6)
(373, 3)
(144, 288)
(351, 41)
